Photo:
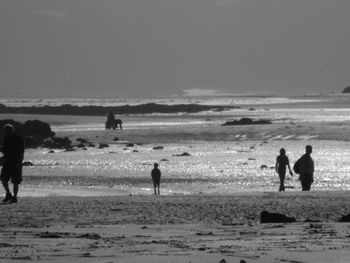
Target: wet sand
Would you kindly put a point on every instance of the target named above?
(178, 228)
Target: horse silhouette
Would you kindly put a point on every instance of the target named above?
(114, 124)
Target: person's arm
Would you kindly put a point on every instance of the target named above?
(290, 170)
(277, 164)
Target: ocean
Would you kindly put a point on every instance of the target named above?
(222, 160)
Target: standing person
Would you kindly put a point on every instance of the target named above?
(282, 162)
(13, 150)
(156, 178)
(306, 169)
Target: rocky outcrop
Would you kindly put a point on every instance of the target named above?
(346, 90)
(57, 143)
(345, 218)
(182, 154)
(158, 148)
(246, 121)
(266, 217)
(33, 132)
(148, 108)
(103, 145)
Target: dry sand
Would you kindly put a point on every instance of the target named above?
(193, 228)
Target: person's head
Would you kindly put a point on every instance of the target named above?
(283, 151)
(155, 165)
(8, 130)
(308, 149)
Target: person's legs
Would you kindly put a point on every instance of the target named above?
(154, 186)
(303, 185)
(5, 184)
(282, 177)
(15, 192)
(8, 196)
(308, 185)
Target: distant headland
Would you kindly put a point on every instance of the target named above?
(346, 90)
(148, 108)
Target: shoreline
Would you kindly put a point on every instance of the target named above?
(239, 208)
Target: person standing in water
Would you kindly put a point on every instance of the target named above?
(282, 162)
(156, 178)
(306, 167)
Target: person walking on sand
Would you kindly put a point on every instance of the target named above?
(305, 164)
(13, 151)
(156, 178)
(282, 162)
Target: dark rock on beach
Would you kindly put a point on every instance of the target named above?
(57, 143)
(27, 163)
(246, 121)
(345, 218)
(81, 140)
(183, 154)
(70, 149)
(266, 217)
(103, 145)
(158, 148)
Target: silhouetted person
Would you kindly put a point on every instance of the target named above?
(306, 167)
(282, 162)
(13, 150)
(110, 117)
(156, 178)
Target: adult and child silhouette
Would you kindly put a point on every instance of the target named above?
(13, 152)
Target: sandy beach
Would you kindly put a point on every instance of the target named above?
(193, 228)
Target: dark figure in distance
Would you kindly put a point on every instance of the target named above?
(113, 123)
(282, 162)
(13, 150)
(156, 178)
(306, 168)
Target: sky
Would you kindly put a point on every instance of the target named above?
(161, 48)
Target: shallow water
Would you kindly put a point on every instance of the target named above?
(218, 167)
(214, 166)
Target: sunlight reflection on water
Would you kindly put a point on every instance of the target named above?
(211, 168)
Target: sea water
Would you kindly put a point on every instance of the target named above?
(213, 167)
